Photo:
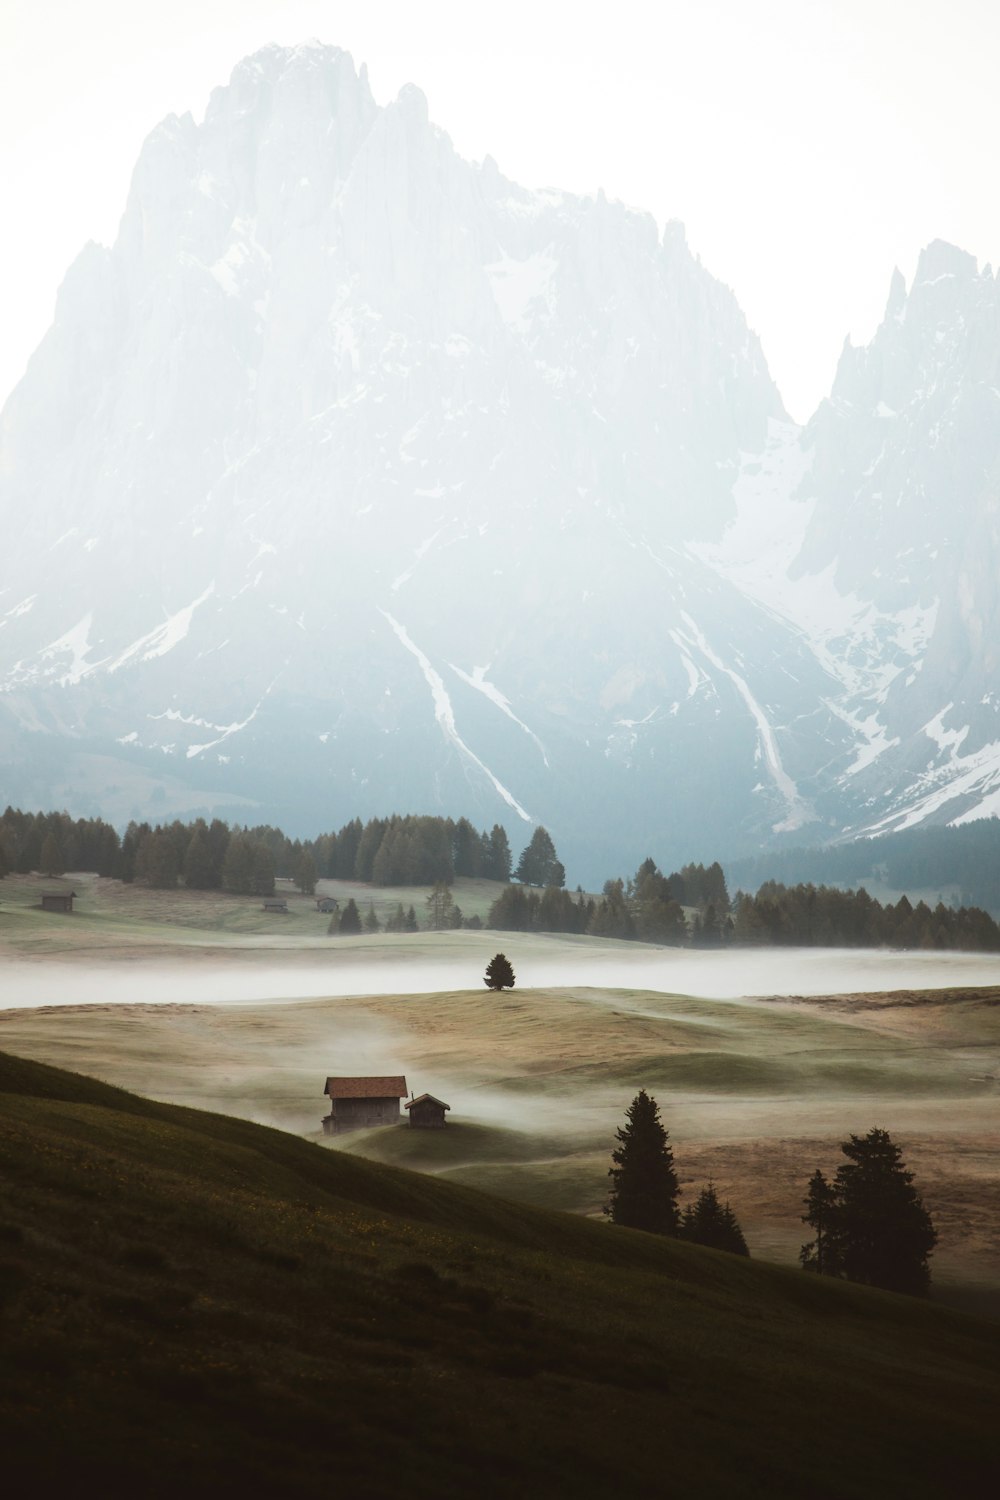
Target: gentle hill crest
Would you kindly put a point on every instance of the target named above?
(186, 1294)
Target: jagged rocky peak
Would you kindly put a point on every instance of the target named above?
(905, 449)
(336, 393)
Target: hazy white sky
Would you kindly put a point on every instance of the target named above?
(808, 145)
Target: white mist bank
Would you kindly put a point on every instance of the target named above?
(234, 978)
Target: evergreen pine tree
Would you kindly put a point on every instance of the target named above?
(710, 1223)
(820, 1254)
(499, 974)
(350, 920)
(882, 1232)
(372, 923)
(644, 1186)
(538, 864)
(496, 854)
(410, 925)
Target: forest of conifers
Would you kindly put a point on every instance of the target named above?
(690, 906)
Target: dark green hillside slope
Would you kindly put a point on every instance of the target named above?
(193, 1304)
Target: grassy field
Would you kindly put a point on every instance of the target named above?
(756, 1094)
(137, 916)
(196, 1303)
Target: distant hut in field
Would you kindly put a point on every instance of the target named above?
(58, 900)
(358, 1103)
(275, 903)
(427, 1113)
(327, 903)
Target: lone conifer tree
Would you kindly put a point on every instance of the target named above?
(881, 1231)
(499, 974)
(644, 1186)
(350, 920)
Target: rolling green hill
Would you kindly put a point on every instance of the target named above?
(193, 1302)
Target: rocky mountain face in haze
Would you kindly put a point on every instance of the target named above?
(355, 478)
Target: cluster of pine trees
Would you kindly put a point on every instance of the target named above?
(53, 842)
(648, 908)
(870, 1225)
(645, 1187)
(809, 916)
(213, 856)
(692, 907)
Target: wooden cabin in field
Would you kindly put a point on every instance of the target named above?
(358, 1103)
(427, 1113)
(276, 903)
(327, 903)
(58, 900)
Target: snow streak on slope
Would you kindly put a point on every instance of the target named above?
(478, 681)
(164, 638)
(445, 714)
(798, 811)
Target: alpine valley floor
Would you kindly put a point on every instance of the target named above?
(756, 1092)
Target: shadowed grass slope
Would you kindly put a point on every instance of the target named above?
(194, 1302)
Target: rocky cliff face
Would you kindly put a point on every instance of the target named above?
(355, 478)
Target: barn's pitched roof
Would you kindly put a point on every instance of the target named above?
(426, 1099)
(393, 1087)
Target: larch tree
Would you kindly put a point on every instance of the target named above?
(644, 1185)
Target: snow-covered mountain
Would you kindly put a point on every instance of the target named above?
(354, 478)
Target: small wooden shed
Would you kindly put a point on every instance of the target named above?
(58, 900)
(358, 1103)
(327, 903)
(427, 1113)
(275, 903)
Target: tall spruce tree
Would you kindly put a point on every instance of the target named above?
(820, 1254)
(350, 919)
(539, 864)
(644, 1185)
(881, 1231)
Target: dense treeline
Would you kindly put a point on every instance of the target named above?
(812, 916)
(650, 907)
(918, 859)
(213, 856)
(692, 907)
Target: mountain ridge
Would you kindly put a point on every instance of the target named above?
(336, 395)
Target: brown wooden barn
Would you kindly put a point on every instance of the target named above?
(427, 1113)
(358, 1103)
(275, 903)
(58, 900)
(327, 903)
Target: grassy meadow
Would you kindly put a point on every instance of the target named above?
(193, 1302)
(756, 1093)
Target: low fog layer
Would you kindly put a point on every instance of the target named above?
(724, 976)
